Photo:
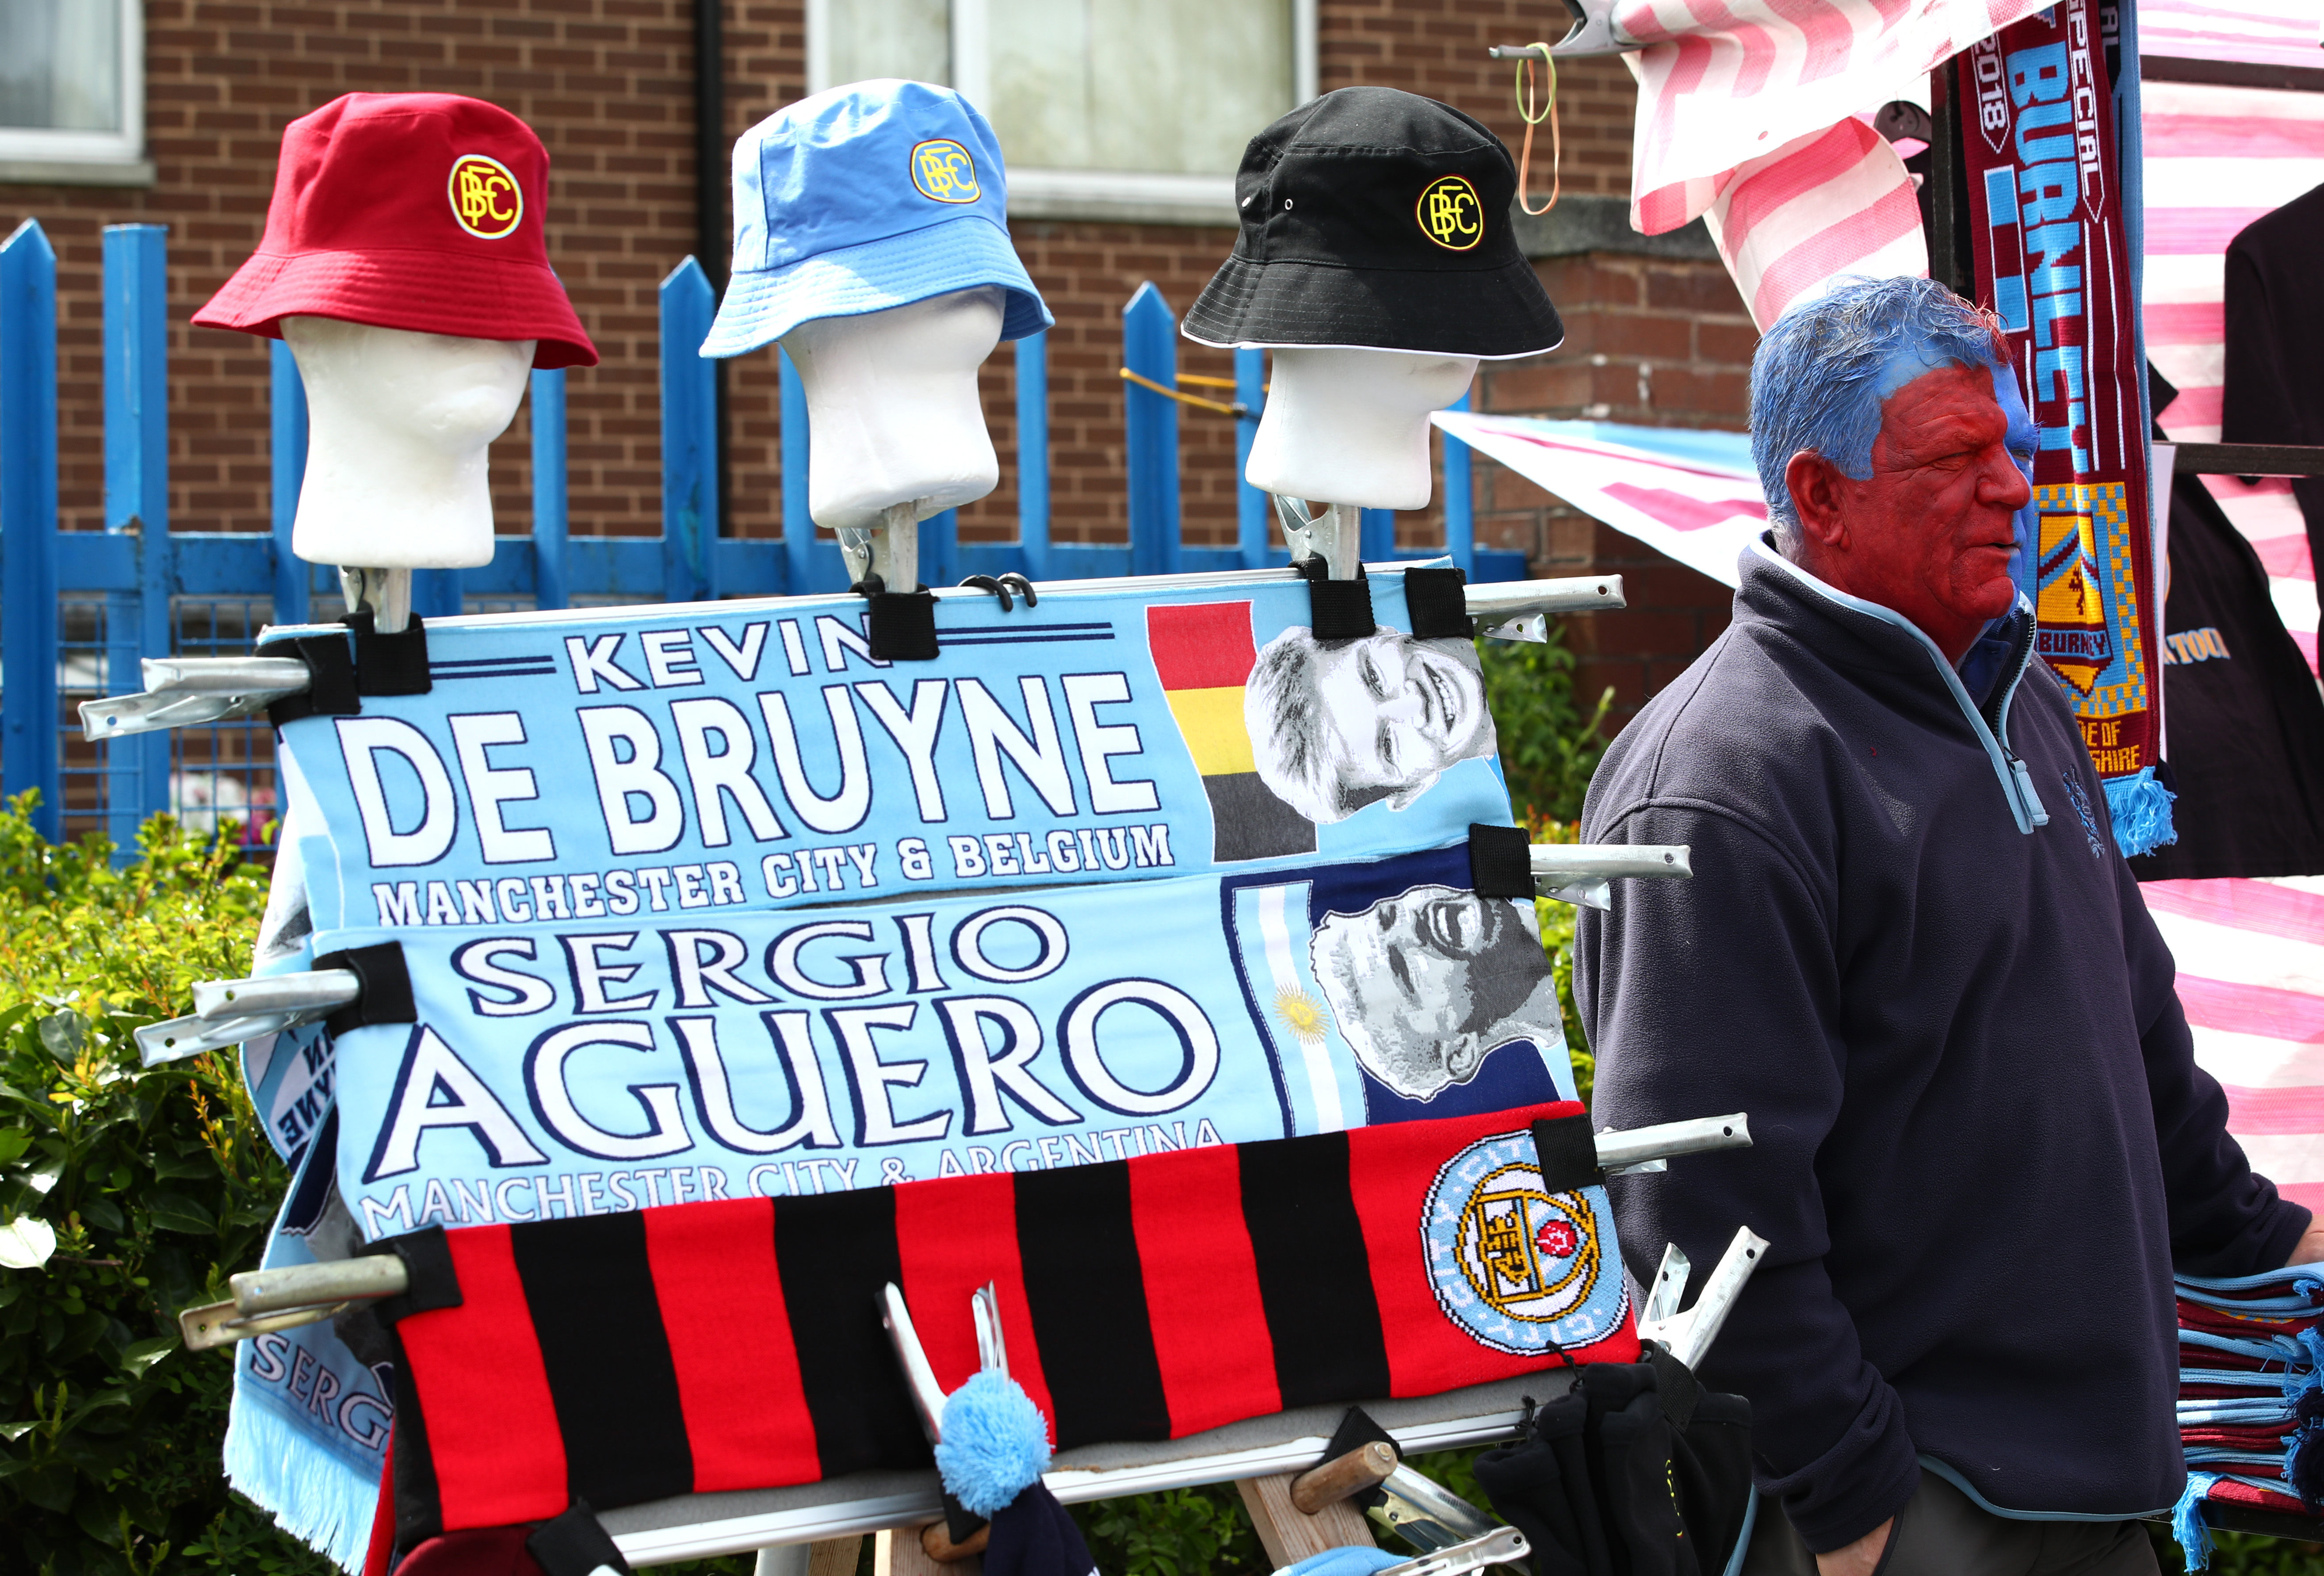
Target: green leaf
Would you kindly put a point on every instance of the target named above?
(103, 1213)
(193, 1163)
(14, 1142)
(174, 1212)
(64, 1034)
(139, 1355)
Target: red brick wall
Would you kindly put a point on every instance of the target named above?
(1656, 343)
(608, 86)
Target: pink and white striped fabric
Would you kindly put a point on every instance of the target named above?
(2275, 32)
(1836, 202)
(1691, 496)
(2251, 976)
(1745, 116)
(2216, 159)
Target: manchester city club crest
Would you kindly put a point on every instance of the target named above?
(1520, 1269)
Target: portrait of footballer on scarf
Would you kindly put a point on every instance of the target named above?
(1336, 725)
(1426, 983)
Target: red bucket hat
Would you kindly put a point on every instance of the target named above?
(420, 211)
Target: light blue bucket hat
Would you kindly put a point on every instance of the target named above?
(862, 198)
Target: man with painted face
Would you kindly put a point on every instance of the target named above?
(1336, 725)
(1911, 952)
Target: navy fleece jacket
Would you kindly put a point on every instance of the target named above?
(1912, 954)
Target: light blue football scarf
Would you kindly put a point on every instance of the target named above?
(702, 902)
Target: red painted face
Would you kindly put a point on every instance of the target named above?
(1932, 531)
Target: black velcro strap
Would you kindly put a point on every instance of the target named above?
(903, 625)
(574, 1544)
(1500, 860)
(1676, 1382)
(1438, 603)
(1567, 1152)
(330, 689)
(1357, 1429)
(386, 987)
(431, 1281)
(1337, 610)
(389, 664)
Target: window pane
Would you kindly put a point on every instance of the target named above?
(61, 64)
(1177, 88)
(888, 37)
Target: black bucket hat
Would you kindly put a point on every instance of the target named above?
(1378, 219)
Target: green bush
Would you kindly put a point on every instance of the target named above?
(1548, 747)
(157, 1183)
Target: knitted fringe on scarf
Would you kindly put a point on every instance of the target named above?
(2141, 808)
(311, 1494)
(2187, 1524)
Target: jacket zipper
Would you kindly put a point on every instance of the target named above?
(2027, 798)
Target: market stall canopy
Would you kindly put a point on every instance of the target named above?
(1688, 494)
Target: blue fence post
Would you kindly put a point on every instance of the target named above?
(548, 489)
(1149, 347)
(798, 526)
(939, 547)
(1250, 503)
(689, 439)
(1460, 499)
(28, 522)
(1033, 452)
(137, 499)
(286, 394)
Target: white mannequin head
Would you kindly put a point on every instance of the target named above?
(399, 424)
(892, 400)
(1351, 427)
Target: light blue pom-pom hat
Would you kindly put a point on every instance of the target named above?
(863, 197)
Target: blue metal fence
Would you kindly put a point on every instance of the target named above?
(78, 610)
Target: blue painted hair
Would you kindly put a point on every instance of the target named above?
(1816, 380)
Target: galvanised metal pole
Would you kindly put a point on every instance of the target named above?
(28, 523)
(137, 502)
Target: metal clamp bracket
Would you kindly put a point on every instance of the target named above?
(1688, 1335)
(266, 1300)
(889, 550)
(1582, 872)
(182, 691)
(1594, 32)
(227, 1012)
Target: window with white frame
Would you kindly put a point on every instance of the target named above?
(1131, 108)
(72, 88)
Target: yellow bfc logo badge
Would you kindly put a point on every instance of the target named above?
(1450, 214)
(943, 169)
(486, 197)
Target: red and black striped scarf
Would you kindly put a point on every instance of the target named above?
(737, 1344)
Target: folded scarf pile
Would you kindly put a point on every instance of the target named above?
(2251, 1398)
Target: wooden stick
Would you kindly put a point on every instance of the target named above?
(1344, 1477)
(898, 1553)
(834, 1556)
(1290, 1535)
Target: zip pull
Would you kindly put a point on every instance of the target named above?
(2026, 794)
